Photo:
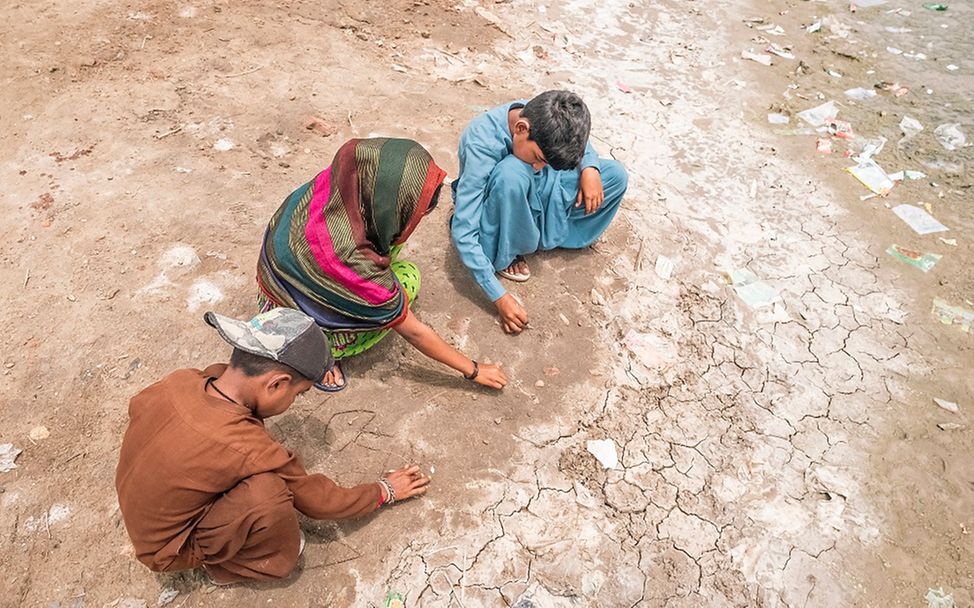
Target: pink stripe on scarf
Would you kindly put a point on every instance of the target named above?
(319, 241)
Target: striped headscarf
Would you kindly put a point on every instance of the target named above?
(327, 248)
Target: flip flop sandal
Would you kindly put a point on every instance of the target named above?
(517, 277)
(336, 388)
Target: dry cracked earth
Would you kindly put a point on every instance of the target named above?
(781, 456)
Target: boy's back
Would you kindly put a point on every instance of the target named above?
(182, 448)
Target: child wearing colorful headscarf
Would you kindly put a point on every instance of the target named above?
(331, 250)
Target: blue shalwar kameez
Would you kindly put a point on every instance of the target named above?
(505, 209)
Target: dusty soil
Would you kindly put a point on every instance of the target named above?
(788, 456)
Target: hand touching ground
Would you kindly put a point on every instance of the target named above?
(406, 482)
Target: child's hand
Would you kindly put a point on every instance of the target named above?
(491, 375)
(590, 190)
(406, 482)
(513, 316)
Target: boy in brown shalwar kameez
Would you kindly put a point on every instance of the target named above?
(201, 483)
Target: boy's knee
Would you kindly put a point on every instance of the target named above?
(511, 177)
(613, 173)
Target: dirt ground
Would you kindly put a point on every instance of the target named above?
(782, 456)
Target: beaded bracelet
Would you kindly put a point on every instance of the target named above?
(390, 493)
(474, 373)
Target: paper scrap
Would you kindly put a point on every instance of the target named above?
(910, 126)
(918, 219)
(953, 315)
(774, 49)
(8, 454)
(778, 119)
(819, 115)
(759, 57)
(604, 451)
(755, 292)
(873, 177)
(860, 94)
(950, 406)
(951, 242)
(664, 267)
(923, 261)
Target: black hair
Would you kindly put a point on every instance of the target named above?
(560, 124)
(435, 200)
(254, 365)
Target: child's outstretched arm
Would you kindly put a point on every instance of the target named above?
(433, 346)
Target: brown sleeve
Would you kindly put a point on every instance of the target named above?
(319, 497)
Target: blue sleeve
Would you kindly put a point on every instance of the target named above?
(591, 158)
(476, 164)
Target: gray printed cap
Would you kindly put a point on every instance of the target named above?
(284, 335)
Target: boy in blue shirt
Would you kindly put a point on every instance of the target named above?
(529, 181)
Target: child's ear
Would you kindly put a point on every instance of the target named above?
(522, 126)
(278, 381)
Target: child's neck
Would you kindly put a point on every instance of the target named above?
(232, 385)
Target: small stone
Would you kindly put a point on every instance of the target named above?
(71, 298)
(539, 383)
(38, 433)
(9, 364)
(497, 420)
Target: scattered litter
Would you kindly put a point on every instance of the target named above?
(950, 406)
(755, 292)
(604, 451)
(819, 115)
(868, 148)
(910, 126)
(39, 433)
(772, 29)
(664, 267)
(774, 49)
(894, 50)
(861, 94)
(872, 176)
(898, 30)
(399, 68)
(815, 27)
(823, 145)
(833, 73)
(131, 602)
(923, 261)
(868, 3)
(908, 174)
(183, 170)
(948, 426)
(778, 119)
(951, 242)
(8, 454)
(950, 315)
(168, 595)
(394, 599)
(952, 67)
(759, 57)
(918, 219)
(651, 350)
(950, 136)
(935, 6)
(223, 145)
(841, 129)
(623, 87)
(892, 87)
